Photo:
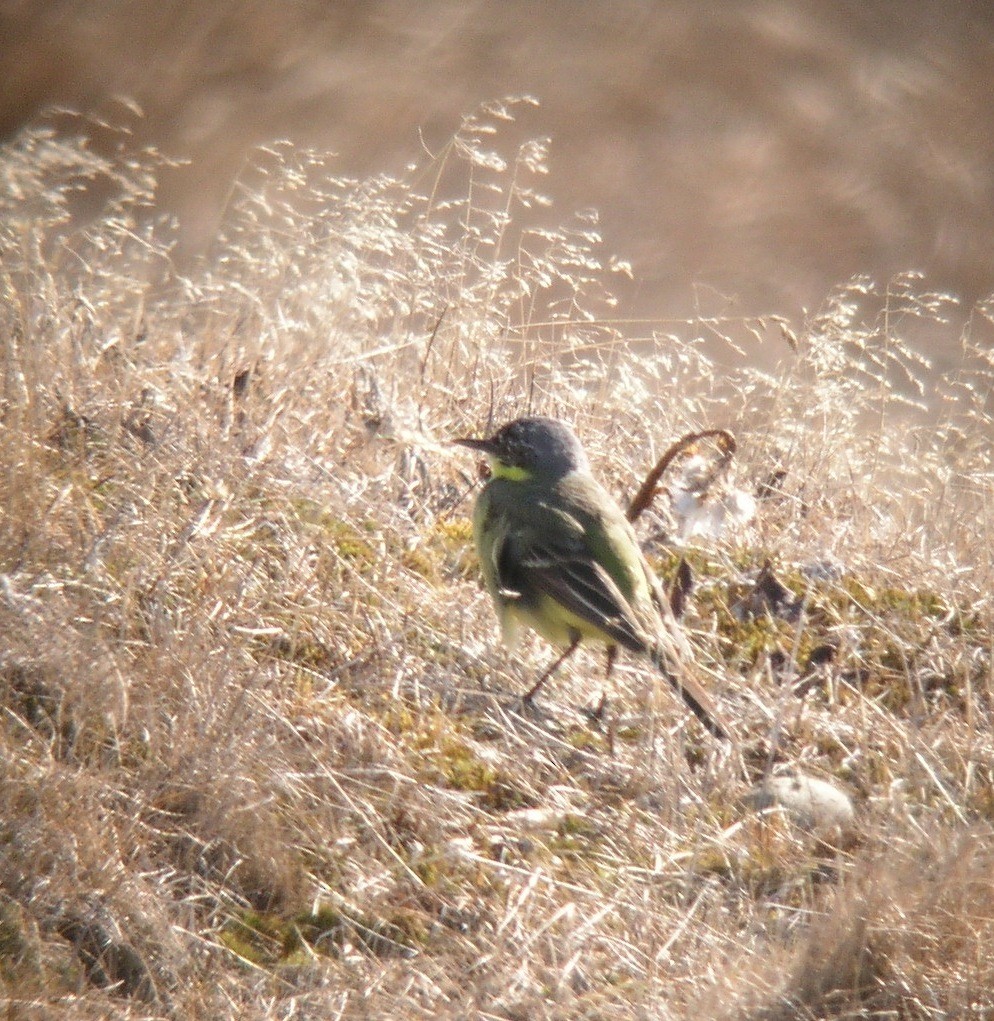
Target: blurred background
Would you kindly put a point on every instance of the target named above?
(746, 157)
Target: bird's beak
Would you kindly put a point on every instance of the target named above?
(487, 446)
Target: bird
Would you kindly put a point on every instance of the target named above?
(558, 555)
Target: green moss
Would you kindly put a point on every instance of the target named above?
(348, 542)
(30, 967)
(577, 826)
(765, 871)
(713, 863)
(422, 564)
(584, 739)
(398, 717)
(256, 938)
(328, 930)
(891, 625)
(462, 768)
(577, 840)
(458, 530)
(269, 940)
(452, 541)
(15, 944)
(300, 648)
(504, 795)
(444, 749)
(911, 604)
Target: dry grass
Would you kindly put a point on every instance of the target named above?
(259, 752)
(745, 156)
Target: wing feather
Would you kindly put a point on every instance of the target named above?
(551, 556)
(566, 570)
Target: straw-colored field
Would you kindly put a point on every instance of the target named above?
(260, 751)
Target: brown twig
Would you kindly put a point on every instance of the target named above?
(647, 491)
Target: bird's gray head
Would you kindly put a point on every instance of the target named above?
(528, 446)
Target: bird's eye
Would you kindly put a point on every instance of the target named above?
(483, 469)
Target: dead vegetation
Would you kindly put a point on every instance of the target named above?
(259, 751)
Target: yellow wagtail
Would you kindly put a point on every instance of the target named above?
(558, 555)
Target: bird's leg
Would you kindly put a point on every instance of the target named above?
(612, 655)
(597, 713)
(536, 687)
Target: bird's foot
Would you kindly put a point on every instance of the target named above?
(597, 713)
(526, 705)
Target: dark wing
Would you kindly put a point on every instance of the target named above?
(549, 554)
(566, 572)
(564, 569)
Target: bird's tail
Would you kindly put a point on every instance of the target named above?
(698, 700)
